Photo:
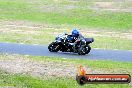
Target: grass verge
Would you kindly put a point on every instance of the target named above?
(23, 80)
(89, 63)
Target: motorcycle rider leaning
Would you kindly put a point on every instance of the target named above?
(74, 37)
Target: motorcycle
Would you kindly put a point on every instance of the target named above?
(80, 46)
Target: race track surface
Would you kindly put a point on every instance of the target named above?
(40, 50)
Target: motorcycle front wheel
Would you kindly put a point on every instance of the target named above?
(53, 47)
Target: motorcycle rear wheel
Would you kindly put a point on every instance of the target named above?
(88, 49)
(84, 50)
(81, 51)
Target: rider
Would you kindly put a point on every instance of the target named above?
(75, 35)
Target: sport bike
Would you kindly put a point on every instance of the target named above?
(62, 43)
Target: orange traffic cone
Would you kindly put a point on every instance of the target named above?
(81, 71)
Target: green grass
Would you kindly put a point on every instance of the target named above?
(45, 37)
(118, 21)
(112, 43)
(61, 17)
(27, 81)
(22, 10)
(77, 17)
(90, 63)
(24, 81)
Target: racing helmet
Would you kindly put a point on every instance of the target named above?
(75, 32)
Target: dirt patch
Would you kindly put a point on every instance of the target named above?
(96, 33)
(7, 30)
(7, 87)
(20, 24)
(42, 69)
(104, 4)
(25, 66)
(115, 6)
(17, 64)
(22, 27)
(25, 27)
(112, 34)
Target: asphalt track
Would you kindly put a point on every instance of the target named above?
(41, 50)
